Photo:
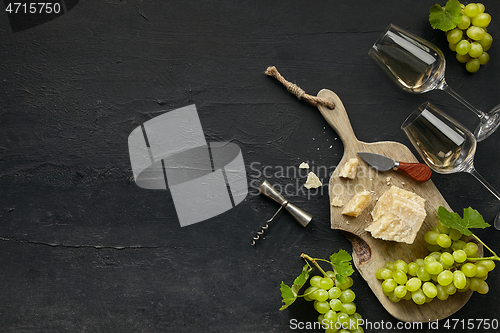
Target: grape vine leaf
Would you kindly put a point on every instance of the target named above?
(471, 219)
(445, 18)
(341, 261)
(289, 294)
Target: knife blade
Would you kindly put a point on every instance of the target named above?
(417, 171)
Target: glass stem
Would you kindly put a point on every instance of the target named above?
(476, 174)
(445, 87)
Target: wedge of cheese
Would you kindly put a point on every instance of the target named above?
(397, 216)
(357, 204)
(349, 169)
(312, 181)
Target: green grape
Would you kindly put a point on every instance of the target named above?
(486, 42)
(470, 249)
(430, 258)
(444, 240)
(356, 316)
(413, 284)
(467, 284)
(378, 273)
(420, 262)
(455, 35)
(441, 293)
(434, 277)
(347, 296)
(326, 283)
(443, 229)
(483, 287)
(320, 295)
(393, 298)
(455, 234)
(401, 265)
(465, 22)
(349, 308)
(474, 283)
(436, 255)
(386, 273)
(400, 277)
(452, 47)
(429, 289)
(489, 264)
(472, 65)
(315, 280)
(459, 256)
(412, 268)
(335, 304)
(469, 269)
(463, 48)
(347, 284)
(423, 275)
(484, 58)
(400, 291)
(433, 267)
(321, 306)
(330, 317)
(343, 318)
(430, 236)
(445, 278)
(418, 297)
(471, 10)
(310, 293)
(475, 49)
(447, 259)
(481, 20)
(459, 244)
(389, 265)
(331, 274)
(481, 7)
(450, 289)
(459, 279)
(481, 271)
(475, 33)
(321, 317)
(389, 285)
(334, 292)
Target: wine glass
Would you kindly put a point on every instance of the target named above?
(444, 144)
(418, 66)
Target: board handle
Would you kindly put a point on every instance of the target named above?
(417, 171)
(337, 118)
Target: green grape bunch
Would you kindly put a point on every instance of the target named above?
(453, 264)
(466, 31)
(330, 293)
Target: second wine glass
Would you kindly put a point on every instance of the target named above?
(418, 66)
(444, 144)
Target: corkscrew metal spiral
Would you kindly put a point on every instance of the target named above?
(302, 217)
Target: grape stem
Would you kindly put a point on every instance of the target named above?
(494, 257)
(315, 262)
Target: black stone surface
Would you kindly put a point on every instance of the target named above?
(83, 249)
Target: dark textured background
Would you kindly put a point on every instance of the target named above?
(83, 249)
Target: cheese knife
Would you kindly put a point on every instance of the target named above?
(417, 171)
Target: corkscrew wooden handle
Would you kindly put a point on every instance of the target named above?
(417, 171)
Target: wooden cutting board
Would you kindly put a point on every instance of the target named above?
(369, 253)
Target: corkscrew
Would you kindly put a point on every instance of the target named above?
(268, 190)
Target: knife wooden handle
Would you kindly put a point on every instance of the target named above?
(417, 171)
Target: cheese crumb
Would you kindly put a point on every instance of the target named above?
(337, 202)
(312, 181)
(397, 216)
(349, 169)
(357, 204)
(304, 165)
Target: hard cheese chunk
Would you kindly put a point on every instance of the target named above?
(398, 216)
(349, 169)
(312, 181)
(357, 204)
